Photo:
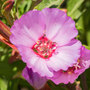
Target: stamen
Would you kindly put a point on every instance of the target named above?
(77, 66)
(44, 47)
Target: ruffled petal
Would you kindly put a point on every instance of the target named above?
(28, 29)
(54, 19)
(28, 55)
(85, 54)
(63, 77)
(85, 58)
(35, 62)
(65, 56)
(42, 68)
(66, 33)
(34, 78)
(59, 27)
(66, 77)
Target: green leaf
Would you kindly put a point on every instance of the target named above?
(22, 6)
(73, 8)
(72, 5)
(77, 14)
(48, 3)
(87, 72)
(88, 37)
(86, 20)
(18, 83)
(34, 3)
(3, 84)
(8, 70)
(56, 87)
(5, 67)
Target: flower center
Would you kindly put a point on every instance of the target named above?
(76, 66)
(44, 47)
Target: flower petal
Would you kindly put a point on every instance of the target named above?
(35, 62)
(66, 33)
(64, 58)
(34, 78)
(59, 27)
(85, 58)
(42, 68)
(63, 77)
(85, 54)
(66, 77)
(28, 56)
(54, 19)
(27, 29)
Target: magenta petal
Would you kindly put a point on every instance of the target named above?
(54, 19)
(35, 62)
(42, 68)
(85, 58)
(61, 77)
(28, 56)
(66, 77)
(66, 33)
(26, 30)
(59, 27)
(85, 54)
(64, 57)
(20, 37)
(34, 78)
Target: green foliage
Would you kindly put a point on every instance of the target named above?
(3, 84)
(48, 3)
(73, 8)
(22, 6)
(56, 87)
(10, 74)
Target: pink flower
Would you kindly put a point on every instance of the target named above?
(34, 79)
(45, 40)
(73, 72)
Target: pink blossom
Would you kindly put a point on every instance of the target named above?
(34, 79)
(73, 72)
(45, 40)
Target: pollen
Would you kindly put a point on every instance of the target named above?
(44, 47)
(77, 65)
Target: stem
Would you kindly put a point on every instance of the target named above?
(9, 18)
(46, 87)
(83, 81)
(71, 86)
(6, 9)
(60, 4)
(34, 3)
(4, 29)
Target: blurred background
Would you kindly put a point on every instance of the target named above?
(10, 64)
